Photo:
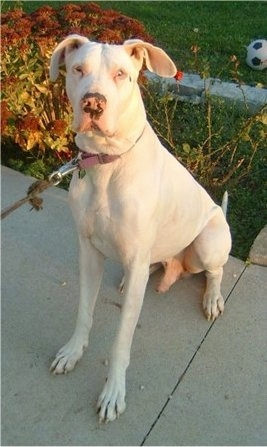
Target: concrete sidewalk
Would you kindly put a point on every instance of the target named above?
(190, 382)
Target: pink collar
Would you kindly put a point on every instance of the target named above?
(87, 160)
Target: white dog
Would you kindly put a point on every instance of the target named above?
(136, 204)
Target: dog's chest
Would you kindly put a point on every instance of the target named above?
(97, 211)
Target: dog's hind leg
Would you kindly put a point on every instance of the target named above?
(91, 270)
(173, 270)
(213, 302)
(209, 252)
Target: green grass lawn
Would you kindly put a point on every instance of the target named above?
(225, 28)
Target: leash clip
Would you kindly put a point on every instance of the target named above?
(57, 176)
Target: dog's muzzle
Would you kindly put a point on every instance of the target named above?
(94, 104)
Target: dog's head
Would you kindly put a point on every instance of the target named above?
(101, 80)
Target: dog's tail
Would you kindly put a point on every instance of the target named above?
(224, 204)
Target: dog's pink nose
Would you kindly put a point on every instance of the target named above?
(94, 103)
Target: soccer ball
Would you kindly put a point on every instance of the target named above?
(257, 54)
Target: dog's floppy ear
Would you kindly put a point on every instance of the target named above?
(156, 59)
(71, 43)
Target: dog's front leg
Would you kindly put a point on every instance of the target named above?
(111, 402)
(91, 270)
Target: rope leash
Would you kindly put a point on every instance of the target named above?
(40, 186)
(32, 197)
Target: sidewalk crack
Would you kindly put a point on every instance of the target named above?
(190, 362)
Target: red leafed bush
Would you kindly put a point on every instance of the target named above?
(36, 113)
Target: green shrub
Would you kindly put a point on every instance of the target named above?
(35, 113)
(217, 141)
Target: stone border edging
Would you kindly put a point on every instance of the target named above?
(192, 88)
(258, 251)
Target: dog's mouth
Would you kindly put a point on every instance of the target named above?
(90, 124)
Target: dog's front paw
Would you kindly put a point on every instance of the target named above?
(68, 356)
(213, 306)
(111, 402)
